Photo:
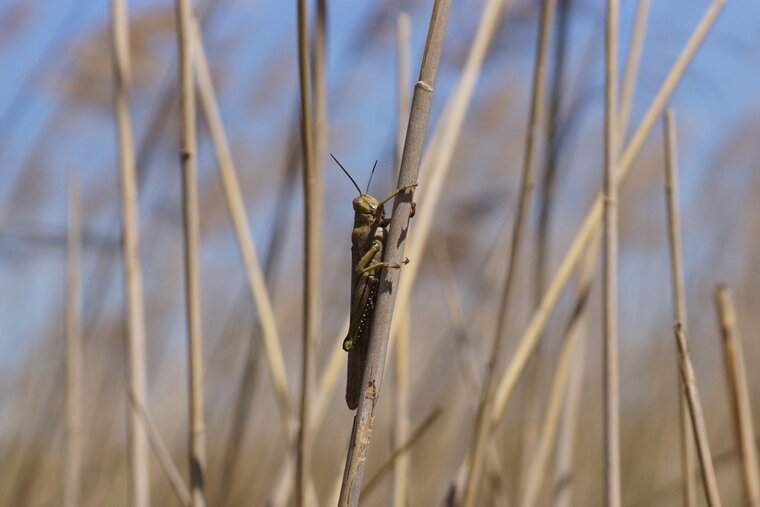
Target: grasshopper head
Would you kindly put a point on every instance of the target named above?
(366, 204)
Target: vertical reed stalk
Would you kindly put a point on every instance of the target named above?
(321, 137)
(697, 419)
(401, 398)
(197, 443)
(538, 321)
(403, 52)
(401, 419)
(72, 476)
(311, 225)
(612, 496)
(632, 66)
(740, 404)
(679, 299)
(394, 252)
(139, 471)
(532, 145)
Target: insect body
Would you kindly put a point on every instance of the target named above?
(367, 248)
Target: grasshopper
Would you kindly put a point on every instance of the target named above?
(367, 248)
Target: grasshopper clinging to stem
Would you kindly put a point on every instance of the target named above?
(367, 247)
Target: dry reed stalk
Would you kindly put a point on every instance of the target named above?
(236, 206)
(321, 135)
(531, 155)
(73, 473)
(740, 404)
(139, 464)
(402, 450)
(394, 251)
(312, 228)
(197, 443)
(404, 68)
(401, 423)
(697, 419)
(162, 453)
(611, 368)
(632, 66)
(540, 317)
(564, 372)
(556, 128)
(679, 299)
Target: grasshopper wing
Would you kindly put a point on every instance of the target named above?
(363, 297)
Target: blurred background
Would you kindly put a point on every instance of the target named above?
(57, 115)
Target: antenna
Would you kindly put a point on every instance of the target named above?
(370, 176)
(349, 176)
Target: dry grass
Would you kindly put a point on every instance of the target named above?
(191, 222)
(96, 412)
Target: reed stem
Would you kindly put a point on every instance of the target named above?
(191, 225)
(394, 253)
(139, 464)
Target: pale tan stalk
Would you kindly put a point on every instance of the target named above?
(197, 443)
(706, 467)
(401, 423)
(679, 300)
(162, 453)
(540, 317)
(404, 69)
(394, 253)
(321, 137)
(632, 66)
(740, 404)
(236, 206)
(73, 473)
(312, 227)
(611, 370)
(139, 464)
(532, 145)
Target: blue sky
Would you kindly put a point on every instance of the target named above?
(719, 92)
